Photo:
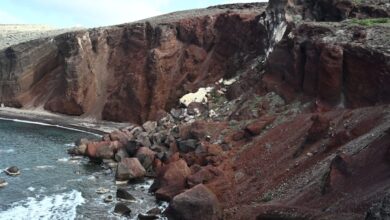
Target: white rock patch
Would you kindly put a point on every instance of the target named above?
(199, 96)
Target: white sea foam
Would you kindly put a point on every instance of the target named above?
(7, 151)
(32, 189)
(65, 159)
(60, 206)
(45, 167)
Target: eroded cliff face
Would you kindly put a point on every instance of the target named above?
(129, 72)
(335, 63)
(339, 63)
(302, 132)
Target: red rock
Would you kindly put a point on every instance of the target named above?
(157, 164)
(239, 135)
(204, 175)
(322, 69)
(216, 179)
(119, 136)
(366, 77)
(318, 129)
(330, 74)
(96, 149)
(256, 127)
(171, 180)
(338, 171)
(129, 169)
(214, 150)
(190, 51)
(103, 150)
(174, 157)
(196, 203)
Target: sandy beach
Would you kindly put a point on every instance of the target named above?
(70, 122)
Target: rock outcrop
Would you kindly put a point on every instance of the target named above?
(330, 62)
(301, 130)
(129, 72)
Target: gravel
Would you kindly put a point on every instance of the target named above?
(11, 34)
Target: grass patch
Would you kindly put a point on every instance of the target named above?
(370, 21)
(267, 197)
(358, 1)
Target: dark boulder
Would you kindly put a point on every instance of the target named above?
(122, 209)
(171, 180)
(12, 171)
(188, 145)
(129, 169)
(123, 194)
(121, 154)
(196, 203)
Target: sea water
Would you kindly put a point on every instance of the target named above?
(51, 184)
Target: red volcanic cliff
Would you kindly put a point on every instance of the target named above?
(302, 132)
(129, 72)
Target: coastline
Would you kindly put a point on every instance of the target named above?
(77, 123)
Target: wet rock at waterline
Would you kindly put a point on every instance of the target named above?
(142, 216)
(112, 164)
(48, 185)
(150, 215)
(78, 150)
(122, 194)
(121, 209)
(108, 199)
(154, 211)
(81, 141)
(12, 171)
(102, 190)
(3, 183)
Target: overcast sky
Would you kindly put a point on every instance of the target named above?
(93, 13)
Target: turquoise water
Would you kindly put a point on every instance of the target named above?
(52, 185)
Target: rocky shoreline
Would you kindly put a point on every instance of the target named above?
(154, 150)
(291, 118)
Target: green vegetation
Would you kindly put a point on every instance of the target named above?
(370, 21)
(358, 1)
(218, 99)
(267, 197)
